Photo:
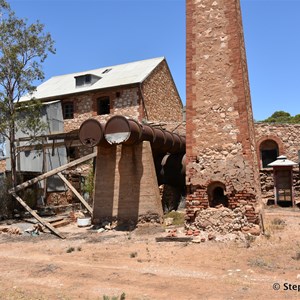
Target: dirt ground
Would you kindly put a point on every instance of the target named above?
(90, 265)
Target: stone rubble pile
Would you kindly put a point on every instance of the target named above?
(223, 220)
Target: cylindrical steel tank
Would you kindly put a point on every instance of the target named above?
(91, 133)
(120, 130)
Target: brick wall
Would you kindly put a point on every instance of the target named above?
(125, 184)
(219, 122)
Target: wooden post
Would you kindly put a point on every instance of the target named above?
(71, 187)
(292, 188)
(52, 172)
(42, 177)
(275, 186)
(36, 216)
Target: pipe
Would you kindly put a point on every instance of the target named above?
(121, 130)
(91, 133)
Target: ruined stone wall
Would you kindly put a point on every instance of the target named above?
(219, 122)
(285, 135)
(161, 97)
(288, 140)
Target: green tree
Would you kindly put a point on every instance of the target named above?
(279, 117)
(283, 117)
(23, 49)
(296, 119)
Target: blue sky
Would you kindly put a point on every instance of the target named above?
(91, 34)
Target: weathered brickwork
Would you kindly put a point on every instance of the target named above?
(219, 122)
(126, 186)
(161, 97)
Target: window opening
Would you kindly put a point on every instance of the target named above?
(103, 106)
(216, 194)
(87, 79)
(68, 110)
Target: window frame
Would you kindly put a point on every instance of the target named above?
(68, 110)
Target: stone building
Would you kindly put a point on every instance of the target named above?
(273, 140)
(142, 90)
(221, 159)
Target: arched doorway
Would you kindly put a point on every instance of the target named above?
(268, 152)
(216, 194)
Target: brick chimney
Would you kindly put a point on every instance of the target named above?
(221, 161)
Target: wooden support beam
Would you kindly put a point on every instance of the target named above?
(36, 216)
(52, 172)
(71, 187)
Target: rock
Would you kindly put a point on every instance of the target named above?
(196, 241)
(169, 221)
(236, 226)
(245, 229)
(211, 237)
(255, 230)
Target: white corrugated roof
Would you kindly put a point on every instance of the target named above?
(134, 72)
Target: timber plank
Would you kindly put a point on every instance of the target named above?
(36, 216)
(70, 186)
(51, 173)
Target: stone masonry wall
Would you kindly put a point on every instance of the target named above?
(286, 135)
(156, 100)
(161, 97)
(122, 101)
(288, 139)
(219, 122)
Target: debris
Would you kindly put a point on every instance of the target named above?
(10, 230)
(169, 221)
(173, 239)
(222, 220)
(172, 233)
(61, 223)
(35, 230)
